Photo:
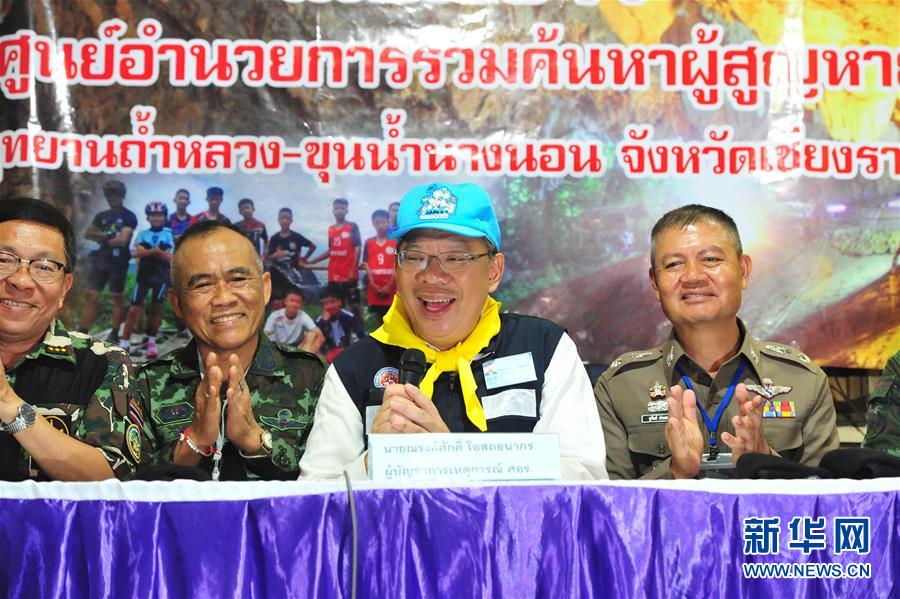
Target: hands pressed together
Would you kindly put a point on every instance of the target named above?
(241, 427)
(405, 409)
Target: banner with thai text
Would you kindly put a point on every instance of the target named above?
(585, 121)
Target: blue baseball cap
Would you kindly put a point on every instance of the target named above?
(464, 209)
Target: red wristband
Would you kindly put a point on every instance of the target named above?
(187, 441)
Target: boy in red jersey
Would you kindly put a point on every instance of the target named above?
(344, 244)
(378, 260)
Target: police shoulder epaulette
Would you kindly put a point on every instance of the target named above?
(633, 357)
(787, 353)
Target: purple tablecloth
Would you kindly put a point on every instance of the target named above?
(191, 539)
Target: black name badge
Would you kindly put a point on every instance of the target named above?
(654, 418)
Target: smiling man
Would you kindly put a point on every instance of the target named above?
(231, 402)
(712, 387)
(68, 405)
(487, 371)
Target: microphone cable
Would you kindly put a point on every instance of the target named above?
(355, 535)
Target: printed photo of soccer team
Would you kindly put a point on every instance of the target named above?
(325, 294)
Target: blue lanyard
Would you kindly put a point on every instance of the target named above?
(713, 425)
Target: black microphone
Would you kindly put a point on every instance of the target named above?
(860, 463)
(412, 367)
(761, 465)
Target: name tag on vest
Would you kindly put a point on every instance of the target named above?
(464, 457)
(512, 402)
(510, 370)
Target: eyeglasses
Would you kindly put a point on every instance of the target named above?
(43, 271)
(416, 261)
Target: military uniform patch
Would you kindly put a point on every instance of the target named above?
(670, 356)
(180, 412)
(282, 422)
(637, 355)
(133, 441)
(768, 389)
(778, 349)
(59, 422)
(658, 405)
(134, 413)
(779, 409)
(657, 391)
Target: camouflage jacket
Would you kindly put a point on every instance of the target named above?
(84, 388)
(883, 419)
(284, 387)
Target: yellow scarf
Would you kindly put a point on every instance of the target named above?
(396, 331)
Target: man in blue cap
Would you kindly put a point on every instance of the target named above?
(486, 371)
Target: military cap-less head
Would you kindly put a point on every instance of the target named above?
(464, 209)
(114, 185)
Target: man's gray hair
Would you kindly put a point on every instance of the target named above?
(205, 229)
(690, 214)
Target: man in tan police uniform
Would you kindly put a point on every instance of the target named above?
(652, 402)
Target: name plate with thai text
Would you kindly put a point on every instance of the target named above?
(464, 457)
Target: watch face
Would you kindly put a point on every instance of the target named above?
(24, 419)
(27, 413)
(266, 441)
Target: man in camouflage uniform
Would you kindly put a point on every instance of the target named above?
(68, 403)
(231, 402)
(758, 397)
(883, 421)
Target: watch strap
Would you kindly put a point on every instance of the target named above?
(23, 420)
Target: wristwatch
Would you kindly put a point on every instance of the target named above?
(265, 441)
(24, 419)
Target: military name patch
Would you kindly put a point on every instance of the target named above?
(778, 409)
(654, 418)
(133, 441)
(180, 412)
(386, 376)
